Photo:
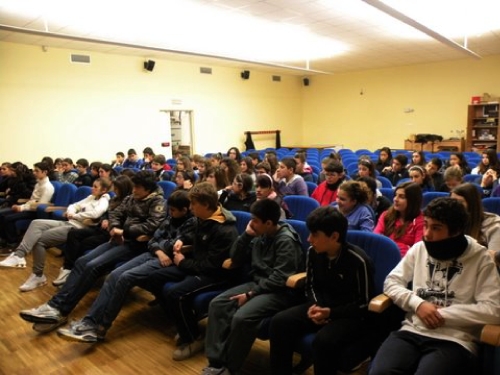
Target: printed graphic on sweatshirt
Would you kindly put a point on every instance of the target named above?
(440, 277)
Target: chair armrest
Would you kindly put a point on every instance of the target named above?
(55, 208)
(296, 281)
(22, 200)
(490, 334)
(227, 264)
(379, 303)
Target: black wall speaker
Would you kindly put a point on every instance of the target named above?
(306, 81)
(149, 65)
(245, 74)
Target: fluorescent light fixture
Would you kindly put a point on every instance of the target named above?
(180, 25)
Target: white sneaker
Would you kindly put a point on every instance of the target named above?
(61, 279)
(13, 261)
(33, 282)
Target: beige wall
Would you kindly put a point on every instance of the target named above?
(335, 112)
(49, 106)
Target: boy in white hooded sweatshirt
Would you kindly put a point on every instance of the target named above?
(455, 291)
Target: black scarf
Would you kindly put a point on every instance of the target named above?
(447, 249)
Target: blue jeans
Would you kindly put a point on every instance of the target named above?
(405, 352)
(113, 293)
(87, 270)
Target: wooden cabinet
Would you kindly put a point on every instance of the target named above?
(445, 144)
(482, 127)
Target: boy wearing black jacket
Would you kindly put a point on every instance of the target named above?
(339, 286)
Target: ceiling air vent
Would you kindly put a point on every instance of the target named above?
(83, 59)
(276, 78)
(205, 70)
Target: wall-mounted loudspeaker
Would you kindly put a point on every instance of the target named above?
(149, 65)
(245, 74)
(306, 81)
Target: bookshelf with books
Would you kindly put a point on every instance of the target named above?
(482, 127)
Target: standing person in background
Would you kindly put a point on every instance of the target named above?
(403, 222)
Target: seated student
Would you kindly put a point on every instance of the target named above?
(272, 159)
(452, 177)
(215, 159)
(247, 167)
(234, 153)
(418, 175)
(135, 220)
(376, 200)
(183, 164)
(68, 174)
(132, 160)
(198, 270)
(433, 169)
(185, 180)
(42, 193)
(326, 192)
(366, 168)
(84, 178)
(403, 222)
(489, 181)
(119, 160)
(397, 170)
(231, 167)
(302, 168)
(255, 158)
(239, 196)
(149, 155)
(455, 289)
(482, 226)
(106, 171)
(458, 160)
(352, 201)
(43, 234)
(290, 183)
(94, 167)
(263, 168)
(417, 158)
(234, 316)
(264, 189)
(15, 186)
(178, 228)
(53, 174)
(158, 166)
(489, 160)
(81, 240)
(202, 165)
(384, 159)
(217, 177)
(339, 286)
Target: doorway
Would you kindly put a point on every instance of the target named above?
(181, 128)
